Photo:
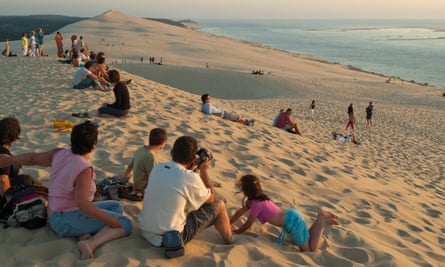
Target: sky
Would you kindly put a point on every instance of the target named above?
(235, 9)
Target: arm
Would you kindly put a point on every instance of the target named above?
(238, 214)
(206, 181)
(127, 171)
(43, 159)
(246, 225)
(81, 192)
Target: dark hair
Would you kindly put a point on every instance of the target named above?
(9, 130)
(288, 109)
(88, 64)
(184, 150)
(84, 138)
(100, 59)
(204, 98)
(157, 136)
(114, 76)
(251, 187)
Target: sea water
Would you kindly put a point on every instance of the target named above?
(413, 50)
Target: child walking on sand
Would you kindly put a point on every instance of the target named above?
(292, 221)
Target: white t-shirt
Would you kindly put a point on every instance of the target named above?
(208, 108)
(172, 193)
(80, 75)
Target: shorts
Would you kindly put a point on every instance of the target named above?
(198, 220)
(295, 226)
(76, 223)
(368, 116)
(231, 116)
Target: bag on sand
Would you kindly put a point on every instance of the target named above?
(24, 205)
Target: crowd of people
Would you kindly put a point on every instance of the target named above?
(178, 197)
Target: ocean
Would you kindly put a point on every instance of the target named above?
(413, 50)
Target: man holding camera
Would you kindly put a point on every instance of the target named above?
(177, 199)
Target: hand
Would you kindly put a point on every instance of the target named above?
(115, 223)
(234, 228)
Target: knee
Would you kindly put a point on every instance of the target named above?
(220, 206)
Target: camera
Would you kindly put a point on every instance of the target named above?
(204, 155)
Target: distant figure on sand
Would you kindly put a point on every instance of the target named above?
(260, 207)
(71, 212)
(7, 51)
(24, 44)
(285, 122)
(143, 161)
(121, 105)
(351, 117)
(59, 44)
(180, 202)
(208, 108)
(312, 110)
(345, 138)
(369, 110)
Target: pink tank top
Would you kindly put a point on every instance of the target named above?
(264, 210)
(65, 168)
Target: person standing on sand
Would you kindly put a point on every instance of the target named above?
(59, 43)
(312, 110)
(7, 48)
(24, 44)
(39, 38)
(369, 110)
(351, 117)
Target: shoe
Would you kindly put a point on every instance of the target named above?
(251, 122)
(133, 196)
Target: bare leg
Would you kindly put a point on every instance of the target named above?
(222, 222)
(106, 234)
(324, 219)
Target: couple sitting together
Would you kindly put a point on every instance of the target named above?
(283, 121)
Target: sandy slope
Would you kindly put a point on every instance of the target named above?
(388, 191)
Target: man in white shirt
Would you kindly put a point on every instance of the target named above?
(179, 199)
(208, 108)
(84, 78)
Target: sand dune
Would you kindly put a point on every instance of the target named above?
(388, 191)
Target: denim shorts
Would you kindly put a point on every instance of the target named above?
(198, 220)
(76, 223)
(231, 116)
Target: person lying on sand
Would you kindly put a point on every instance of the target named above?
(209, 109)
(345, 138)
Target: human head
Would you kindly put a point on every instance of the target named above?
(114, 76)
(157, 137)
(100, 59)
(251, 187)
(205, 98)
(84, 138)
(9, 130)
(289, 110)
(88, 64)
(184, 150)
(370, 103)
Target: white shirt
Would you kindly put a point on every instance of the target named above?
(172, 193)
(208, 108)
(80, 75)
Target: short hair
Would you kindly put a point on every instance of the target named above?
(9, 130)
(88, 64)
(157, 136)
(100, 59)
(84, 137)
(114, 76)
(184, 150)
(204, 97)
(288, 109)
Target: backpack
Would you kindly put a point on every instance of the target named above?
(24, 205)
(112, 188)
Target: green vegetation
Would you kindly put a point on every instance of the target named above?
(12, 27)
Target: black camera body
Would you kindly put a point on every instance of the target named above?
(204, 155)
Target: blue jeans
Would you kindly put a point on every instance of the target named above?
(113, 111)
(76, 223)
(85, 84)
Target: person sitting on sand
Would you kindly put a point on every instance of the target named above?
(344, 138)
(275, 119)
(84, 78)
(143, 161)
(121, 105)
(284, 122)
(260, 207)
(209, 109)
(181, 200)
(9, 133)
(71, 212)
(99, 67)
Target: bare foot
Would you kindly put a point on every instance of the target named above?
(327, 217)
(85, 237)
(85, 250)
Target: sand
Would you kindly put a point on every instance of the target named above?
(388, 191)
